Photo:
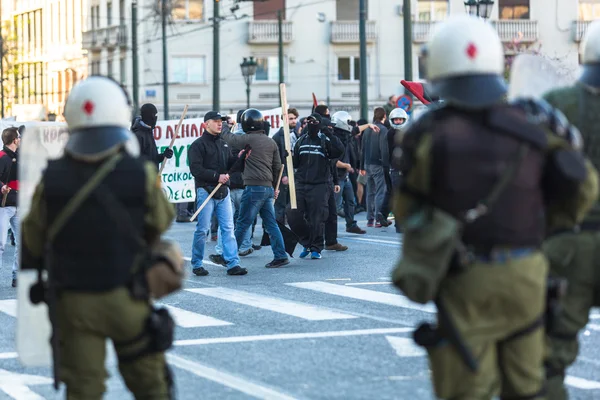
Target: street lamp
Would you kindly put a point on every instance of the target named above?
(479, 8)
(248, 70)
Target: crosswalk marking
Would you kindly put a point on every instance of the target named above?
(363, 294)
(295, 309)
(9, 307)
(189, 319)
(581, 383)
(594, 327)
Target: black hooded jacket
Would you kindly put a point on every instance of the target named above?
(147, 144)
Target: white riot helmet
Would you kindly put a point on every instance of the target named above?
(342, 119)
(465, 62)
(398, 113)
(591, 55)
(98, 115)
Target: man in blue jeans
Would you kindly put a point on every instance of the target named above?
(260, 177)
(210, 159)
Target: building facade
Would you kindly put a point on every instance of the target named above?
(43, 55)
(321, 47)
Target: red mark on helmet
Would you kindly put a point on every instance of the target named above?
(88, 107)
(471, 51)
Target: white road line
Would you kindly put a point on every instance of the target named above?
(405, 347)
(367, 283)
(339, 279)
(9, 307)
(295, 309)
(291, 336)
(189, 319)
(581, 383)
(19, 392)
(245, 386)
(386, 242)
(395, 300)
(595, 316)
(5, 356)
(593, 327)
(204, 262)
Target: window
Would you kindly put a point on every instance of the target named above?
(422, 67)
(268, 69)
(109, 66)
(109, 13)
(432, 10)
(348, 10)
(122, 12)
(188, 9)
(348, 69)
(97, 17)
(123, 70)
(95, 67)
(268, 9)
(589, 10)
(188, 69)
(513, 9)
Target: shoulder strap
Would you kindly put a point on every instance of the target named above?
(484, 206)
(81, 195)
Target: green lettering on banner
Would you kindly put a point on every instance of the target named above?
(178, 151)
(177, 195)
(187, 161)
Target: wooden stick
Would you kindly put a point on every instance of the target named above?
(287, 140)
(279, 181)
(280, 176)
(173, 139)
(5, 195)
(205, 202)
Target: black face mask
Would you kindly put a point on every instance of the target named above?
(313, 129)
(149, 114)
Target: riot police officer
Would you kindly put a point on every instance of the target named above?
(93, 257)
(572, 248)
(480, 182)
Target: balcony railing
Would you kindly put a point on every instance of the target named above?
(508, 30)
(517, 30)
(422, 30)
(267, 32)
(579, 28)
(348, 32)
(109, 37)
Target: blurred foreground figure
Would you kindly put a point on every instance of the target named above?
(572, 249)
(93, 218)
(473, 245)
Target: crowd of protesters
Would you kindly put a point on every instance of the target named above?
(341, 168)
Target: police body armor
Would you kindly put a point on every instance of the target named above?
(90, 253)
(470, 152)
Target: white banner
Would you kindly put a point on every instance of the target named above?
(177, 181)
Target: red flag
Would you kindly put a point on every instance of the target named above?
(416, 89)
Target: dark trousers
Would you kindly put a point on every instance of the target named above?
(346, 198)
(396, 181)
(331, 224)
(281, 203)
(308, 220)
(386, 206)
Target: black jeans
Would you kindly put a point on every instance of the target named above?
(308, 220)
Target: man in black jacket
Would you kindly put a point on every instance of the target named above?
(345, 166)
(284, 191)
(375, 162)
(312, 156)
(142, 128)
(9, 184)
(210, 160)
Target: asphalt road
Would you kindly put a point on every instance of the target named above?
(316, 329)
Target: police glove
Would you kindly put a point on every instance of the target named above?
(168, 153)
